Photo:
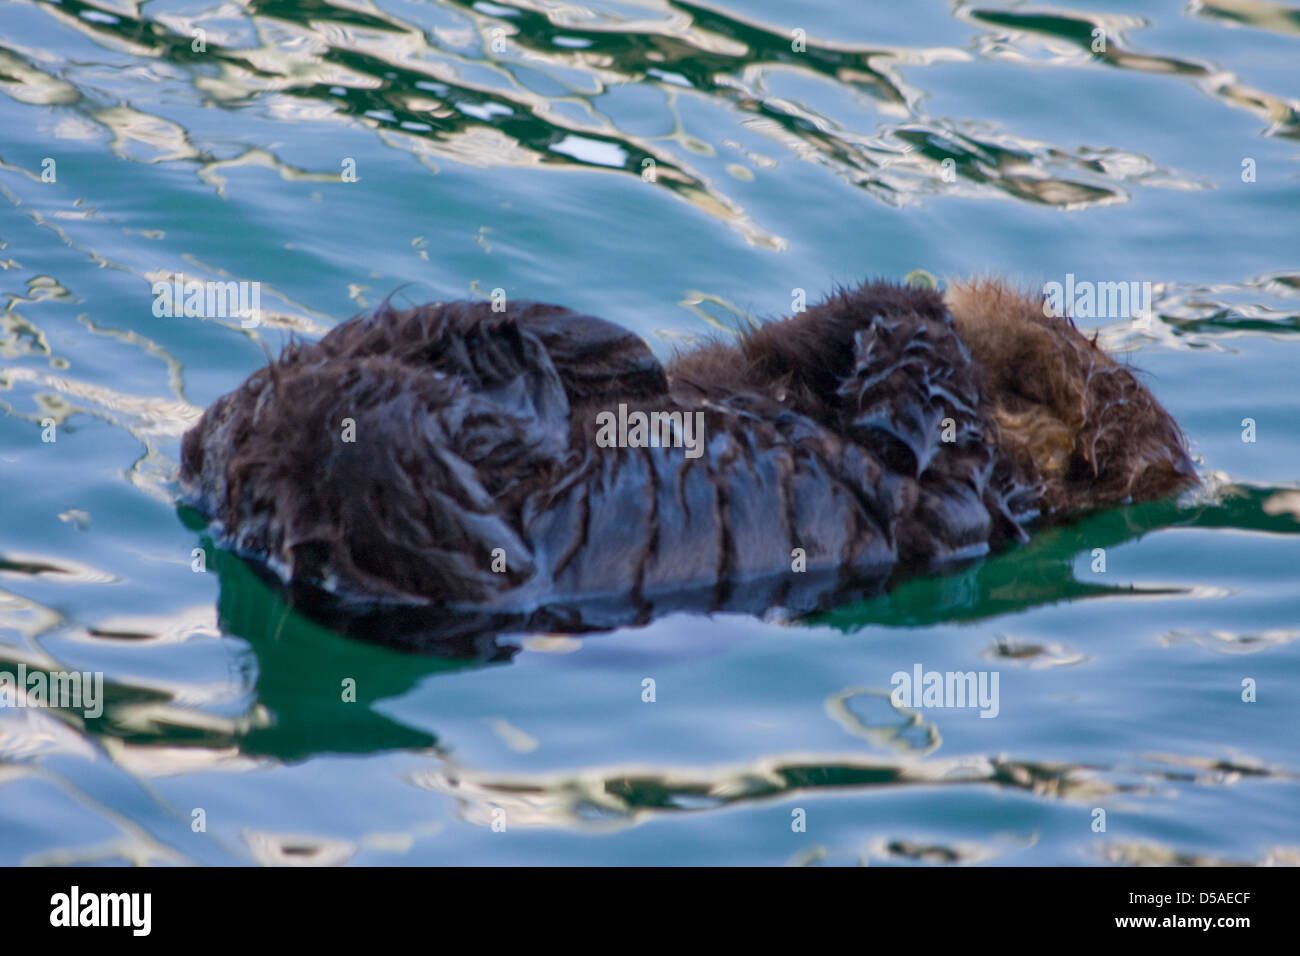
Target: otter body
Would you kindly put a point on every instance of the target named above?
(448, 455)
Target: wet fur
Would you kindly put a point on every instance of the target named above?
(475, 431)
(1091, 431)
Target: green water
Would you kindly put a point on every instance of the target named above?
(510, 145)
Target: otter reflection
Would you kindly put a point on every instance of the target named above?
(442, 462)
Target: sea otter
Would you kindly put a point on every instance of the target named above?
(449, 456)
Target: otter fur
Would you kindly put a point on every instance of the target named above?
(446, 456)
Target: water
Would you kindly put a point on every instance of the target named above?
(505, 145)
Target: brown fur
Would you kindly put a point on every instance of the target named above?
(475, 434)
(1091, 431)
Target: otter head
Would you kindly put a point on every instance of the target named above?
(1068, 414)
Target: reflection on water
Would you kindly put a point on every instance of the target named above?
(225, 697)
(508, 84)
(1079, 32)
(154, 729)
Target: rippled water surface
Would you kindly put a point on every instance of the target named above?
(677, 168)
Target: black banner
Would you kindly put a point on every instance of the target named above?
(332, 906)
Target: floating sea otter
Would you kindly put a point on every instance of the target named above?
(456, 459)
